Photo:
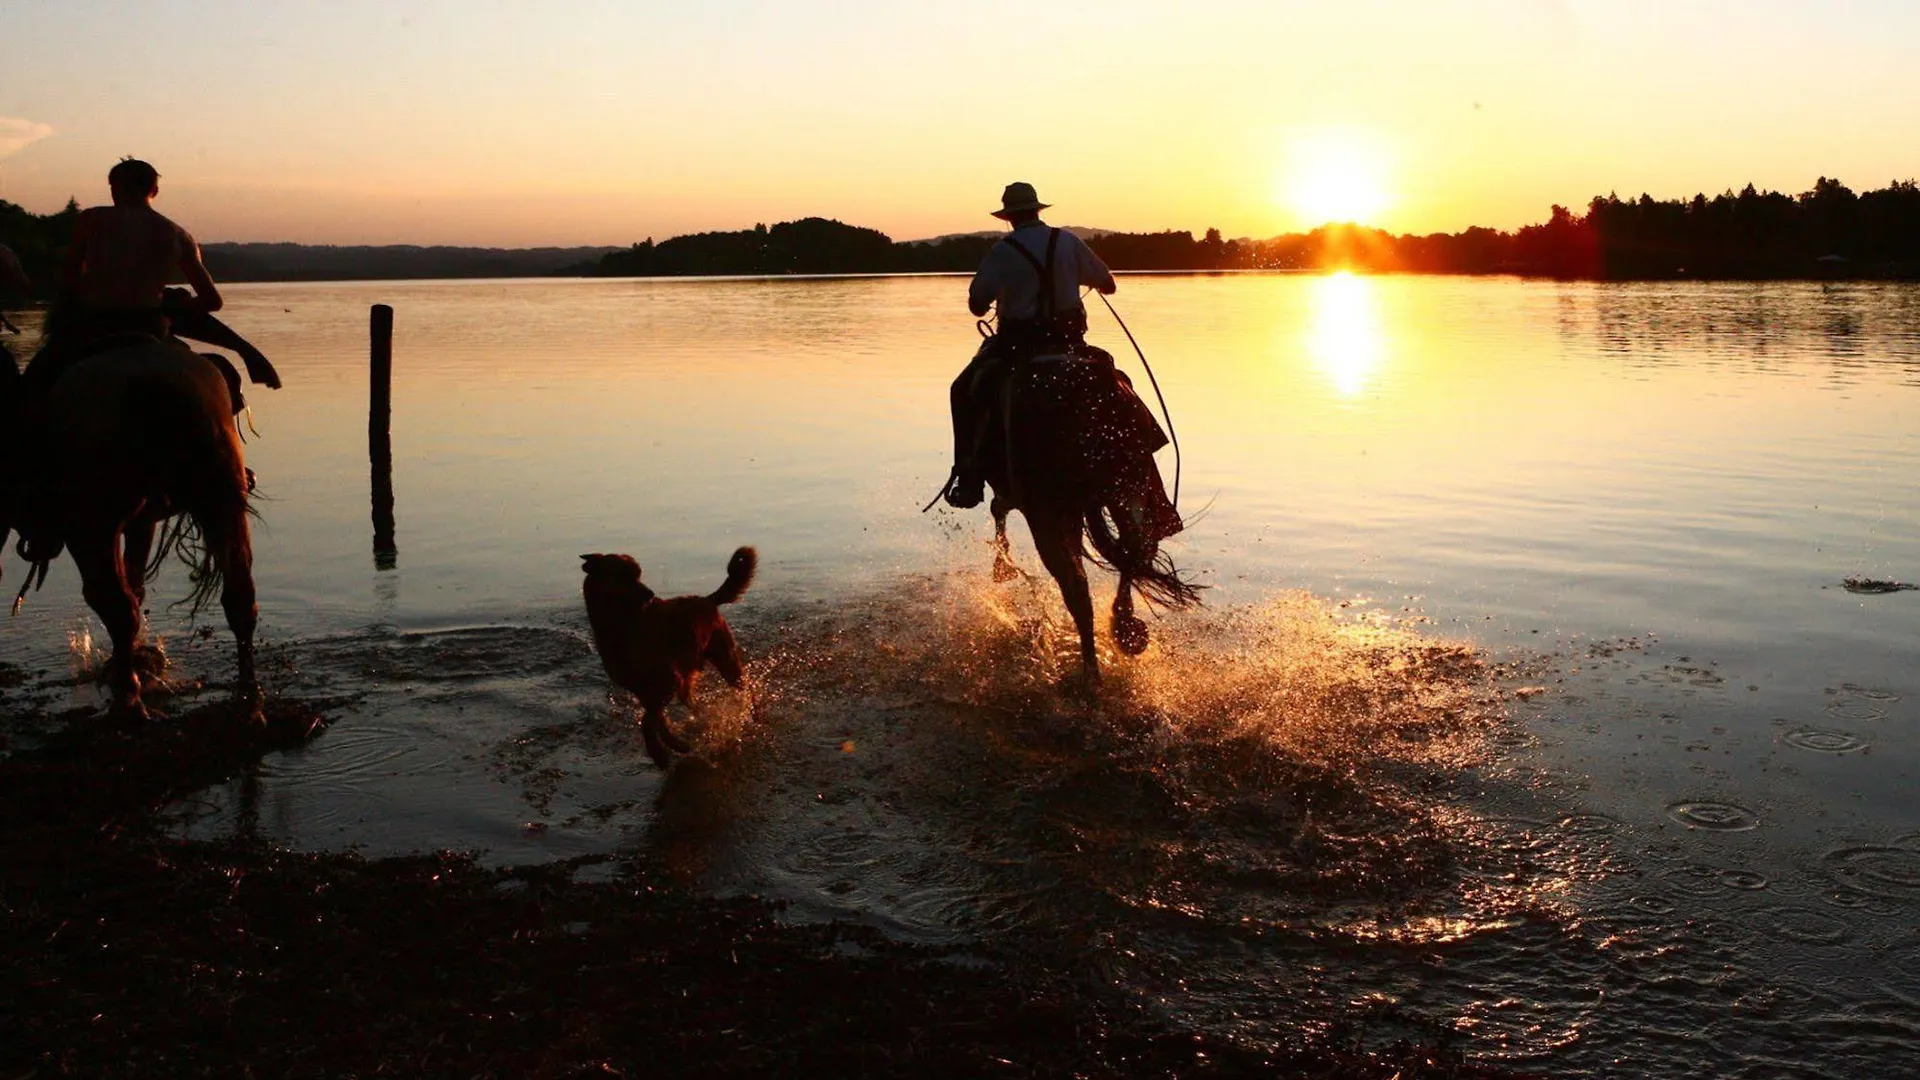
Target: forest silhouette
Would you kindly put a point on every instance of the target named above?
(1824, 232)
(1827, 231)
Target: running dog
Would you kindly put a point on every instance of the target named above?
(655, 648)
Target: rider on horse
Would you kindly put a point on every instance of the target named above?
(114, 283)
(115, 279)
(1032, 280)
(117, 269)
(113, 292)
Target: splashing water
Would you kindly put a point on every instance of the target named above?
(85, 661)
(1267, 787)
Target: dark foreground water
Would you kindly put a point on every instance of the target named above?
(1528, 702)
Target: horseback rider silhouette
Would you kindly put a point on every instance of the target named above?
(113, 295)
(1032, 280)
(114, 282)
(118, 265)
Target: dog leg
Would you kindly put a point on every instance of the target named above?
(673, 741)
(724, 654)
(660, 741)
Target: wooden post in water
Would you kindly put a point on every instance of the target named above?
(386, 555)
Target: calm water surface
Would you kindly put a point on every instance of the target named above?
(1527, 703)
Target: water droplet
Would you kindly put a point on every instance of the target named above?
(1713, 816)
(1748, 880)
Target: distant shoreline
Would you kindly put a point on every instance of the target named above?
(1217, 272)
(1826, 233)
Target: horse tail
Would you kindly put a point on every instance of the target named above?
(740, 570)
(1153, 574)
(210, 488)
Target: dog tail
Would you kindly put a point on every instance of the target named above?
(739, 575)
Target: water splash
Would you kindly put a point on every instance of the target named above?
(85, 661)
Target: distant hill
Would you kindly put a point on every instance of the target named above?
(822, 246)
(326, 262)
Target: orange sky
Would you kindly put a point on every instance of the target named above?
(569, 123)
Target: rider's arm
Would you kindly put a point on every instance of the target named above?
(1093, 271)
(985, 287)
(196, 274)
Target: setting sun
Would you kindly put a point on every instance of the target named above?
(1334, 176)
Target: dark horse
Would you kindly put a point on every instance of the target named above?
(128, 438)
(1077, 462)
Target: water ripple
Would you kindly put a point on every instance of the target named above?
(1881, 870)
(1806, 925)
(1824, 742)
(1713, 816)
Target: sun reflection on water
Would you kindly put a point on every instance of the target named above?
(1348, 340)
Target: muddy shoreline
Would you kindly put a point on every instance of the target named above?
(129, 953)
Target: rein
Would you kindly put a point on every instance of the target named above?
(1172, 435)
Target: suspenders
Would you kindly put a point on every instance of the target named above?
(1044, 303)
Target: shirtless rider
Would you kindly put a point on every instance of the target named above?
(117, 269)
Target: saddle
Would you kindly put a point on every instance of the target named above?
(1086, 372)
(1107, 434)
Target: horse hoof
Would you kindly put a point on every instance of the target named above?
(1130, 634)
(149, 661)
(253, 710)
(1083, 685)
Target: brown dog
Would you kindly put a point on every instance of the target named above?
(655, 648)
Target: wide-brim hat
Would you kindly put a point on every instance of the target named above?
(1019, 198)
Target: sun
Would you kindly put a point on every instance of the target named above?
(1335, 175)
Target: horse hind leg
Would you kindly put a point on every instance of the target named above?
(103, 583)
(230, 552)
(1003, 565)
(1129, 629)
(137, 548)
(1059, 546)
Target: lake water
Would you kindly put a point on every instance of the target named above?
(1527, 702)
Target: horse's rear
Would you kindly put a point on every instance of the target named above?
(133, 436)
(1078, 462)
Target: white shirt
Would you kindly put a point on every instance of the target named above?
(1009, 281)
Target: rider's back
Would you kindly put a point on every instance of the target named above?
(132, 252)
(1009, 277)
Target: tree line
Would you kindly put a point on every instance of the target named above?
(1826, 231)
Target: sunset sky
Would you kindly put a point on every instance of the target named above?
(492, 122)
